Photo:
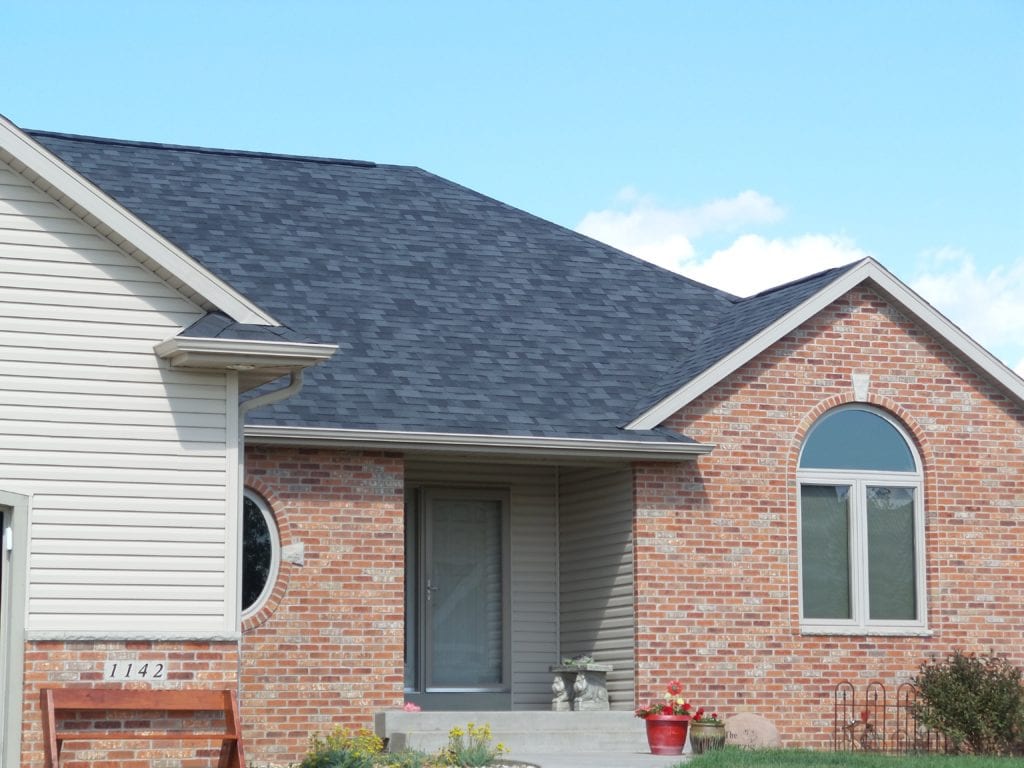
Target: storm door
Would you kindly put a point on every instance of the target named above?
(460, 616)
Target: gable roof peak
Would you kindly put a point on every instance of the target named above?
(797, 302)
(813, 277)
(111, 219)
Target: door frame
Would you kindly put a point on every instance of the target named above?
(14, 510)
(492, 697)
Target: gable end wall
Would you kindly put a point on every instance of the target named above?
(717, 570)
(129, 464)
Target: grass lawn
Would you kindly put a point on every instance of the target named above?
(802, 758)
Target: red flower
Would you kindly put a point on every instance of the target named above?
(675, 688)
(666, 710)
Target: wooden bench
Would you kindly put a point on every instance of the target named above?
(56, 700)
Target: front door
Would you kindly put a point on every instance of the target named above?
(460, 617)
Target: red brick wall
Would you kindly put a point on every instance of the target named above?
(717, 571)
(328, 648)
(69, 664)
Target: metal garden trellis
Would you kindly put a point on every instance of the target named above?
(873, 723)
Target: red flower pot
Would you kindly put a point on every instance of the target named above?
(666, 734)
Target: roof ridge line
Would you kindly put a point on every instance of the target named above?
(202, 150)
(718, 292)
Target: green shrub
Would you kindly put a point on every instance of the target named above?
(341, 749)
(977, 701)
(471, 748)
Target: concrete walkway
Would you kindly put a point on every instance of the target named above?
(598, 759)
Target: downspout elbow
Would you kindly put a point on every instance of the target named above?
(274, 396)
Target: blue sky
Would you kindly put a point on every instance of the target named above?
(744, 143)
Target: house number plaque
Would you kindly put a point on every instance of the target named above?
(135, 669)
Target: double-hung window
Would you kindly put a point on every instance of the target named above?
(861, 526)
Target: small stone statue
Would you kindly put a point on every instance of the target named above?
(580, 685)
(587, 697)
(560, 703)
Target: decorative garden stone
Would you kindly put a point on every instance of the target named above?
(749, 730)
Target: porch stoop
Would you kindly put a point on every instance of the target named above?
(521, 732)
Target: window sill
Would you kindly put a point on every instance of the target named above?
(867, 631)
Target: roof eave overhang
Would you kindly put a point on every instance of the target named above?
(522, 446)
(869, 271)
(121, 226)
(256, 361)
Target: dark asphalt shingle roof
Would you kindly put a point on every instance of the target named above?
(218, 325)
(453, 312)
(735, 327)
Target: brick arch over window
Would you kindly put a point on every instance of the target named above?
(910, 424)
(286, 537)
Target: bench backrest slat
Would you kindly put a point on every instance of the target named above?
(110, 699)
(54, 700)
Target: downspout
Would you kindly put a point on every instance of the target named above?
(267, 398)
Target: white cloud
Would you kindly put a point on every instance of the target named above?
(752, 263)
(987, 304)
(664, 236)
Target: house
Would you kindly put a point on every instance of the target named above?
(344, 435)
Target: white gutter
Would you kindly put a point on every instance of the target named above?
(240, 354)
(443, 442)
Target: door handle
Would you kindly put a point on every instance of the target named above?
(430, 589)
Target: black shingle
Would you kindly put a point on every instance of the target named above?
(453, 312)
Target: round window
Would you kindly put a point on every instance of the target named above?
(260, 552)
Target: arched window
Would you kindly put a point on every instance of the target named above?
(861, 525)
(261, 552)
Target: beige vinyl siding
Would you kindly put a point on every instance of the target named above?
(596, 573)
(125, 460)
(533, 547)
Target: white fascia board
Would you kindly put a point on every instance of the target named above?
(240, 354)
(947, 331)
(504, 445)
(164, 254)
(889, 286)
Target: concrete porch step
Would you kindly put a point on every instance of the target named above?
(533, 732)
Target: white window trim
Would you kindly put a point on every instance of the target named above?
(275, 555)
(858, 481)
